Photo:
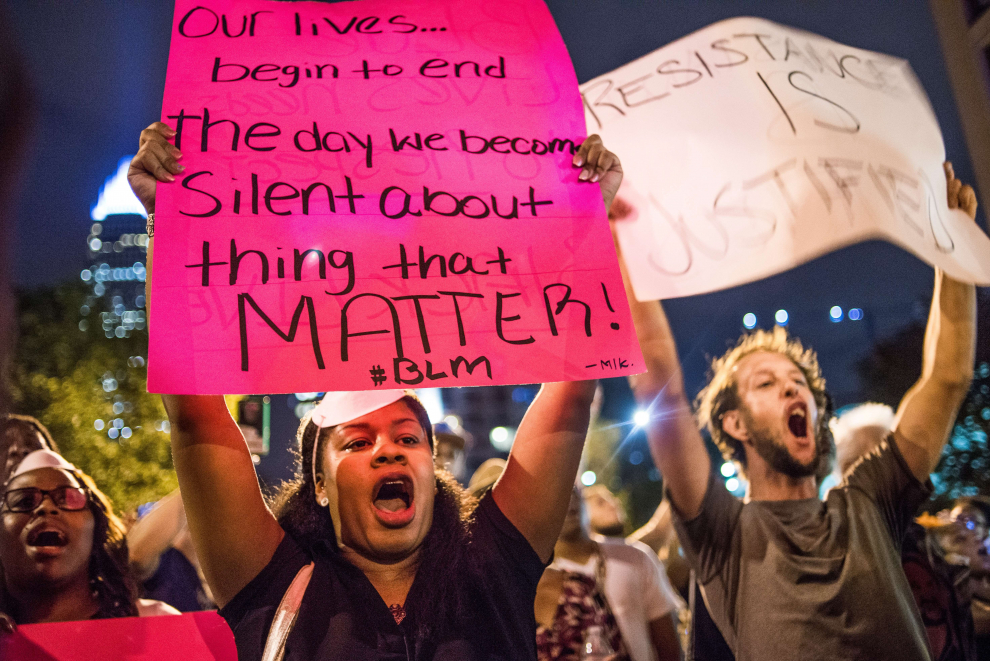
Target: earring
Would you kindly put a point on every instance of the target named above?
(324, 501)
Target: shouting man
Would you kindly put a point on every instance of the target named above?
(785, 575)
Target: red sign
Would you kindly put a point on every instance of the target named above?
(191, 637)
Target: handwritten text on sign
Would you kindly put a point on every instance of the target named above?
(750, 148)
(378, 195)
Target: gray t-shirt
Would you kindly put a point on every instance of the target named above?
(806, 579)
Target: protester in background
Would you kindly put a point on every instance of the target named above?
(449, 454)
(164, 560)
(969, 547)
(606, 515)
(382, 536)
(595, 581)
(856, 432)
(973, 513)
(785, 575)
(940, 588)
(939, 584)
(20, 435)
(62, 549)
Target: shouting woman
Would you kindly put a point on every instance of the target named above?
(62, 549)
(372, 553)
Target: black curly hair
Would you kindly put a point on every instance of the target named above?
(294, 505)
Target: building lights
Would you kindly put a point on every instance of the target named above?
(116, 196)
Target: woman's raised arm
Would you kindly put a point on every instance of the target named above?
(234, 533)
(535, 489)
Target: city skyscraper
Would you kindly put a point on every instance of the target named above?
(117, 248)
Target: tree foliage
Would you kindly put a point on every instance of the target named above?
(895, 364)
(91, 393)
(964, 469)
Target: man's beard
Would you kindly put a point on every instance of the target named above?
(779, 458)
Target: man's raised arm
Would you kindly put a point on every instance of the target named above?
(675, 443)
(928, 411)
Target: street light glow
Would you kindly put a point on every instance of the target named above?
(502, 438)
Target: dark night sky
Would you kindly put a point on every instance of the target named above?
(99, 70)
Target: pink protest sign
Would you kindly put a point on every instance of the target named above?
(378, 194)
(191, 637)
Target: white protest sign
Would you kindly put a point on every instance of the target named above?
(750, 147)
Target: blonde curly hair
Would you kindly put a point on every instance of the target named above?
(722, 395)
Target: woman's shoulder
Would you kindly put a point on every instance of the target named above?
(153, 607)
(267, 588)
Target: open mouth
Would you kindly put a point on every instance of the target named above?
(48, 537)
(393, 495)
(797, 421)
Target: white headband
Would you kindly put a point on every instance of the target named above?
(41, 459)
(340, 407)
